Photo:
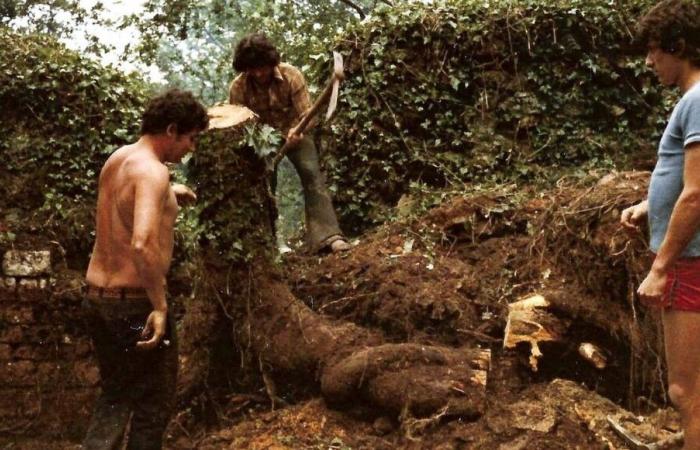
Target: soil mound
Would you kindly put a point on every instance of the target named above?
(449, 277)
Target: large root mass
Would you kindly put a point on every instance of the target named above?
(411, 322)
(286, 339)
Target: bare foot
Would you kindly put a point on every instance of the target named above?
(340, 245)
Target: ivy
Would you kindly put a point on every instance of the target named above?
(474, 91)
(61, 115)
(229, 177)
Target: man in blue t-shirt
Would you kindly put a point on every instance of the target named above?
(671, 32)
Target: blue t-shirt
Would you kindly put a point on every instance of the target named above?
(666, 184)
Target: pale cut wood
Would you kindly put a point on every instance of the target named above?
(227, 116)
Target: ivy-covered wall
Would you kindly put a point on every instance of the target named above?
(479, 91)
(61, 115)
(438, 96)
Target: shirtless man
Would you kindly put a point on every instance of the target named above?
(125, 303)
(671, 32)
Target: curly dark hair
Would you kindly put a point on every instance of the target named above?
(669, 22)
(177, 107)
(254, 51)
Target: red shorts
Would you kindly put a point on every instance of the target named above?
(683, 285)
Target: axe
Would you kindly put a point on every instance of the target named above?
(636, 444)
(329, 94)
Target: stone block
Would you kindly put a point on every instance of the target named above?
(11, 334)
(83, 347)
(67, 288)
(35, 352)
(24, 352)
(86, 373)
(51, 374)
(19, 403)
(82, 373)
(17, 373)
(19, 263)
(79, 348)
(21, 334)
(8, 289)
(17, 314)
(32, 290)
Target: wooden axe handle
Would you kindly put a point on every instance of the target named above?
(304, 122)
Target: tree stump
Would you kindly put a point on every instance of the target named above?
(240, 290)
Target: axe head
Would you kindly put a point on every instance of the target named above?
(630, 440)
(338, 76)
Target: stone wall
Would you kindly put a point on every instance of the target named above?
(48, 377)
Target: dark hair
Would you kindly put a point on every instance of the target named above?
(667, 23)
(177, 107)
(254, 51)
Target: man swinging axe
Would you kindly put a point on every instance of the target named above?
(277, 93)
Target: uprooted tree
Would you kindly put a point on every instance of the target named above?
(241, 287)
(516, 247)
(506, 105)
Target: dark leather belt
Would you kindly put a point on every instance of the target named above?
(125, 293)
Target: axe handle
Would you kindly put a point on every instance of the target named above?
(306, 118)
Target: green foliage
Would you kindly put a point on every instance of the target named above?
(466, 91)
(61, 115)
(192, 41)
(42, 16)
(233, 202)
(263, 138)
(290, 205)
(454, 92)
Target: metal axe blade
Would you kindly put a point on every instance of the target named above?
(631, 440)
(337, 78)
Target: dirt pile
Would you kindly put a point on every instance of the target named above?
(447, 279)
(450, 275)
(556, 415)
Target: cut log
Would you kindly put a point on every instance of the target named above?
(593, 354)
(228, 116)
(529, 322)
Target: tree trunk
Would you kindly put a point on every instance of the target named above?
(239, 285)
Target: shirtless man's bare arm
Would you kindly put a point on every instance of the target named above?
(150, 196)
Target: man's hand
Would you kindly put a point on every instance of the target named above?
(155, 328)
(184, 195)
(633, 216)
(653, 289)
(293, 137)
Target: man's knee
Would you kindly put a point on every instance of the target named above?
(309, 172)
(310, 176)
